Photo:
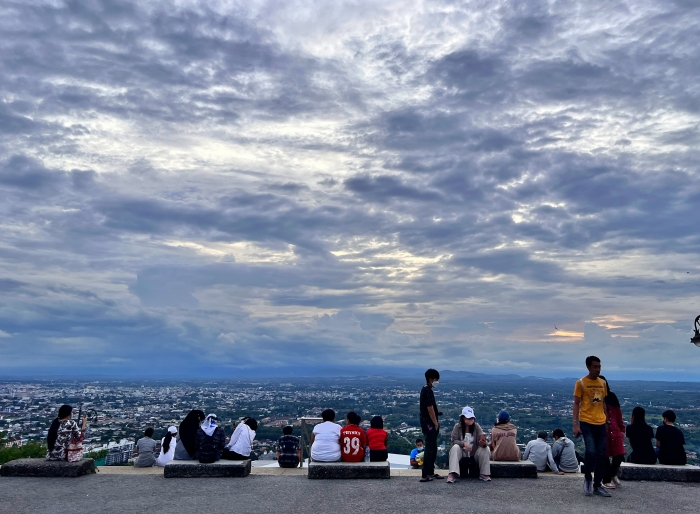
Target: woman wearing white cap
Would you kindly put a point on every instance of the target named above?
(167, 447)
(469, 441)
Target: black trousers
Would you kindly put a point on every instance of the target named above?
(431, 437)
(378, 455)
(612, 469)
(229, 455)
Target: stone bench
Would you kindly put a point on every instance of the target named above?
(195, 469)
(659, 472)
(513, 469)
(349, 470)
(47, 468)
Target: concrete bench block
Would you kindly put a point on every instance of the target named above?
(659, 472)
(47, 468)
(513, 469)
(349, 470)
(195, 469)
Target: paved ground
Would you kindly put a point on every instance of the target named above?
(138, 493)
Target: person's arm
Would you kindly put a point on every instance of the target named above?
(550, 461)
(386, 439)
(527, 450)
(433, 417)
(577, 409)
(456, 437)
(557, 449)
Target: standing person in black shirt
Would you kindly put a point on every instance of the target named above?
(429, 424)
(670, 441)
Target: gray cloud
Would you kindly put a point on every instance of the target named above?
(227, 182)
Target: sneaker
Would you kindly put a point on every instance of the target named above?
(602, 491)
(609, 485)
(485, 478)
(451, 478)
(587, 486)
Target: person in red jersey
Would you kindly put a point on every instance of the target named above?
(352, 439)
(377, 438)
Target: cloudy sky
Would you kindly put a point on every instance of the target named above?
(206, 186)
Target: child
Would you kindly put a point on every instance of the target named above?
(417, 454)
(377, 438)
(352, 439)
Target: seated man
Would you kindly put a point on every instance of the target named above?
(670, 441)
(539, 452)
(504, 439)
(416, 458)
(564, 452)
(325, 439)
(352, 439)
(288, 449)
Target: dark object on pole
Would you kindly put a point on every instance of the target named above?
(696, 338)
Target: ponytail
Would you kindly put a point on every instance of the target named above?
(166, 442)
(53, 434)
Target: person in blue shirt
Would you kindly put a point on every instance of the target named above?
(415, 464)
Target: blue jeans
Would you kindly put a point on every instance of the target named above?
(595, 437)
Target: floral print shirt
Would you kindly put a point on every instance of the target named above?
(68, 432)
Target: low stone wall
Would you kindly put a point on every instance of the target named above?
(349, 470)
(515, 469)
(47, 468)
(195, 469)
(659, 472)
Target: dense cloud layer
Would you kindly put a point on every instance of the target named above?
(198, 186)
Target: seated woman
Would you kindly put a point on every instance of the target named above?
(241, 443)
(167, 447)
(186, 445)
(210, 440)
(564, 452)
(469, 441)
(62, 433)
(504, 439)
(145, 448)
(377, 440)
(639, 435)
(325, 439)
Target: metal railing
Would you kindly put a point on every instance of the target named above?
(305, 440)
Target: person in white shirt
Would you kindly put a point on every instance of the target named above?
(539, 452)
(325, 439)
(241, 443)
(167, 447)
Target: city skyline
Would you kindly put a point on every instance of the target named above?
(218, 188)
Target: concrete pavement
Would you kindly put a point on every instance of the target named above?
(148, 492)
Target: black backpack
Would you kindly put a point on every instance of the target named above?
(208, 450)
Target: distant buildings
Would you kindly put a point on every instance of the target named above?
(119, 453)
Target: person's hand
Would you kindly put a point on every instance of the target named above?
(84, 422)
(482, 441)
(467, 448)
(561, 473)
(577, 430)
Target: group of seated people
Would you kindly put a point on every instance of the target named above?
(332, 443)
(198, 437)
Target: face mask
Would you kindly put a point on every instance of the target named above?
(419, 448)
(435, 384)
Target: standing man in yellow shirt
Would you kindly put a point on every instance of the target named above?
(590, 419)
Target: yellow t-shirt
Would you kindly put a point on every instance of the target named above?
(592, 400)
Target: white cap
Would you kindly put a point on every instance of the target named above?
(172, 430)
(468, 412)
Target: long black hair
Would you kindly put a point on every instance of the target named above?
(610, 398)
(64, 412)
(639, 416)
(166, 441)
(188, 430)
(252, 423)
(471, 427)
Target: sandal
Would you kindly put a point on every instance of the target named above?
(438, 477)
(426, 479)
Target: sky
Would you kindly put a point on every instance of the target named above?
(212, 187)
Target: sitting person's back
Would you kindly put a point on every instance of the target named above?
(210, 440)
(564, 452)
(377, 440)
(670, 441)
(62, 433)
(186, 442)
(539, 452)
(167, 447)
(288, 449)
(145, 448)
(241, 443)
(639, 435)
(504, 439)
(352, 439)
(325, 439)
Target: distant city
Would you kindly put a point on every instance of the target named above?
(125, 408)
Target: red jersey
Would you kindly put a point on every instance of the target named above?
(352, 443)
(377, 438)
